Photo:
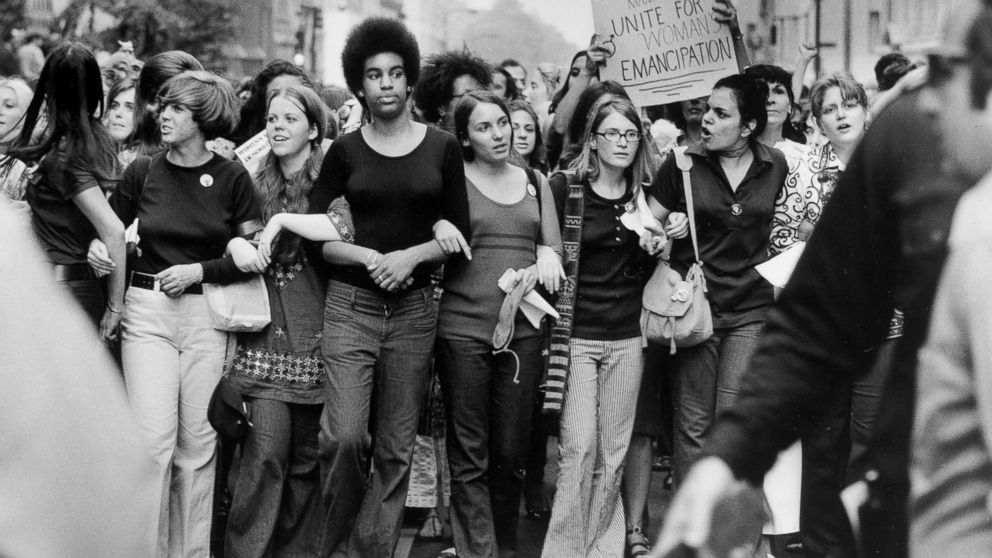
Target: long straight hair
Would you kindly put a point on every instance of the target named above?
(280, 193)
(70, 88)
(586, 165)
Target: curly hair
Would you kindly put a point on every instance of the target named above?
(434, 91)
(374, 36)
(253, 111)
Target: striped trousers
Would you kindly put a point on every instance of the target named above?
(604, 378)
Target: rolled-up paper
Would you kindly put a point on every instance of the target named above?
(533, 305)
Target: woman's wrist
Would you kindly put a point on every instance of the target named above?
(372, 258)
(116, 309)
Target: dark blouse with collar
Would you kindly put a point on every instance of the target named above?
(733, 228)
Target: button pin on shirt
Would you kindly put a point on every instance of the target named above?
(736, 210)
(206, 180)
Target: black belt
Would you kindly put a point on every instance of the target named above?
(149, 282)
(72, 272)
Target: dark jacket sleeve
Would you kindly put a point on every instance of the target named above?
(834, 310)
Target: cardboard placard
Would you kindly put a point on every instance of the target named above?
(663, 51)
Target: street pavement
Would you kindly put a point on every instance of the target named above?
(531, 532)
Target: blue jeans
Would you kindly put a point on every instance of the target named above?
(489, 417)
(276, 496)
(377, 352)
(706, 378)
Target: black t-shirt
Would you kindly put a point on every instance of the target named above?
(394, 201)
(188, 214)
(733, 228)
(63, 230)
(611, 267)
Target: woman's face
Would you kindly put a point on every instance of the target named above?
(620, 153)
(524, 132)
(499, 84)
(576, 69)
(778, 106)
(384, 85)
(281, 82)
(537, 92)
(693, 110)
(287, 127)
(177, 126)
(721, 129)
(11, 112)
(843, 121)
(120, 116)
(489, 133)
(462, 85)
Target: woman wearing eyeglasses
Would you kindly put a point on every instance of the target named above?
(598, 338)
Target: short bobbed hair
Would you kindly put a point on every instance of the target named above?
(374, 36)
(463, 112)
(209, 97)
(751, 96)
(850, 90)
(156, 71)
(309, 103)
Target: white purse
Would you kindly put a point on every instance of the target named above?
(240, 306)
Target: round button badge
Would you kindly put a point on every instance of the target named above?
(735, 210)
(206, 180)
(532, 190)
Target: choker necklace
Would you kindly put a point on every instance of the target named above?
(736, 154)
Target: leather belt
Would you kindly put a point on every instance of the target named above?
(72, 272)
(149, 282)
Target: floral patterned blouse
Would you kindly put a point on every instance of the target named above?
(811, 182)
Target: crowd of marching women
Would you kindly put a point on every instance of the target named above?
(477, 242)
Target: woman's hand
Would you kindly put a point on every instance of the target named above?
(550, 272)
(392, 271)
(245, 256)
(175, 279)
(724, 12)
(109, 324)
(525, 276)
(677, 225)
(450, 239)
(808, 51)
(653, 244)
(99, 258)
(267, 237)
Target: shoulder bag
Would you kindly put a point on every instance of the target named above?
(675, 309)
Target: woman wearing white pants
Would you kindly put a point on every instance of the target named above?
(189, 203)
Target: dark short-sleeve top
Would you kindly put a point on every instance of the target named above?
(188, 214)
(733, 228)
(61, 227)
(611, 267)
(394, 201)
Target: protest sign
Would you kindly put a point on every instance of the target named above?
(252, 152)
(663, 51)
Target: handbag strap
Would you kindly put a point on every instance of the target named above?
(684, 163)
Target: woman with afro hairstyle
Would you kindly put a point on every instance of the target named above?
(400, 179)
(446, 78)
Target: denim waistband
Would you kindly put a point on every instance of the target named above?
(358, 297)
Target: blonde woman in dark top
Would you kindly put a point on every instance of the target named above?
(489, 396)
(597, 340)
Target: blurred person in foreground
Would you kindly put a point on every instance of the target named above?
(75, 477)
(880, 243)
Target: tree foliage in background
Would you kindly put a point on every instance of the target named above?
(196, 26)
(507, 31)
(11, 17)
